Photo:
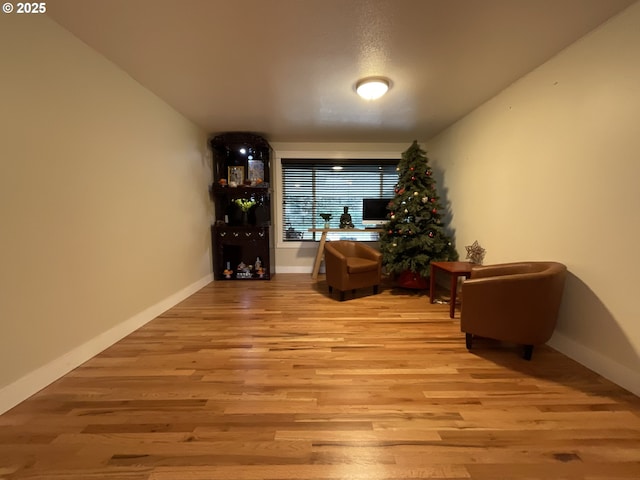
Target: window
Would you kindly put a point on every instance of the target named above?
(311, 187)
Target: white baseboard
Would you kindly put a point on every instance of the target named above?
(35, 381)
(296, 270)
(609, 369)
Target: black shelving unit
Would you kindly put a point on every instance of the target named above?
(242, 242)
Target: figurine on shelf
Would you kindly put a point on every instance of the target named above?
(345, 219)
(227, 271)
(244, 270)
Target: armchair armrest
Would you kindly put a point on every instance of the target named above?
(335, 256)
(367, 252)
(482, 271)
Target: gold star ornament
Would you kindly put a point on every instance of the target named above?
(475, 253)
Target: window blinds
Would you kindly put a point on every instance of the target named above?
(311, 187)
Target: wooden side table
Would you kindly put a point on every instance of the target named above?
(456, 270)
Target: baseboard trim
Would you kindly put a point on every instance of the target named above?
(609, 369)
(33, 382)
(294, 270)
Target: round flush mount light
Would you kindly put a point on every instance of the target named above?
(371, 88)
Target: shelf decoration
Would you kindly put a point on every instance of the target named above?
(475, 253)
(236, 175)
(245, 203)
(256, 171)
(326, 217)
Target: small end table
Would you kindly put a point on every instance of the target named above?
(456, 270)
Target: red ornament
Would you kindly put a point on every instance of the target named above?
(412, 169)
(434, 211)
(428, 172)
(433, 200)
(431, 235)
(413, 179)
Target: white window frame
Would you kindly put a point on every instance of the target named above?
(332, 152)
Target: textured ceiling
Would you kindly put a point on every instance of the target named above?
(287, 68)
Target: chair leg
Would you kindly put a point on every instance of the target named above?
(330, 289)
(468, 340)
(341, 295)
(528, 351)
(375, 289)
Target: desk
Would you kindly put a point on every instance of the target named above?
(323, 240)
(456, 270)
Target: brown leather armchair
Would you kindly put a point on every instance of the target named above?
(513, 302)
(352, 265)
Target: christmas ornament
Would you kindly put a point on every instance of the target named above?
(425, 199)
(475, 253)
(415, 194)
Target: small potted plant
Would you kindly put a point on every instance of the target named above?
(326, 217)
(245, 205)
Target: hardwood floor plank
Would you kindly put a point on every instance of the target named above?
(277, 380)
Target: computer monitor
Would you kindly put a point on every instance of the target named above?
(374, 211)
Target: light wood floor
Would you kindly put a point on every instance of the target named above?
(276, 380)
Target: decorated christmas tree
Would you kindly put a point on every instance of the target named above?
(415, 234)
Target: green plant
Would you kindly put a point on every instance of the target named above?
(245, 203)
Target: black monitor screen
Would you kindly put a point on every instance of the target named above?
(374, 210)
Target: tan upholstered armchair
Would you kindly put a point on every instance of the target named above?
(352, 265)
(513, 302)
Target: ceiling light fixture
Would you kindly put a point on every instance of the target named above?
(371, 88)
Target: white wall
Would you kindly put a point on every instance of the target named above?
(548, 170)
(103, 200)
